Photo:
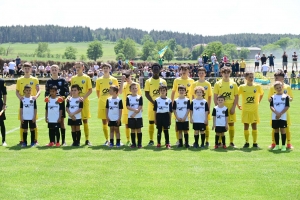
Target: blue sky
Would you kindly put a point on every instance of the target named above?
(210, 17)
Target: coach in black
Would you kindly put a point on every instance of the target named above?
(3, 94)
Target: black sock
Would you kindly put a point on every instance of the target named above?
(32, 136)
(276, 136)
(196, 139)
(63, 135)
(111, 141)
(180, 142)
(133, 139)
(57, 134)
(159, 131)
(139, 135)
(49, 133)
(283, 138)
(202, 139)
(223, 140)
(167, 138)
(216, 140)
(74, 137)
(52, 135)
(25, 137)
(3, 130)
(186, 138)
(78, 135)
(118, 141)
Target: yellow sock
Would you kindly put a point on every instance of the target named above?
(36, 133)
(207, 134)
(127, 131)
(231, 133)
(288, 135)
(86, 130)
(254, 135)
(273, 137)
(151, 131)
(246, 134)
(21, 134)
(177, 135)
(220, 139)
(105, 131)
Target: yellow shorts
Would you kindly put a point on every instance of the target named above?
(231, 118)
(37, 116)
(250, 117)
(101, 113)
(85, 112)
(150, 112)
(125, 118)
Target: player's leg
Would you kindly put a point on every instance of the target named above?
(159, 132)
(186, 138)
(85, 114)
(105, 130)
(133, 138)
(167, 137)
(151, 124)
(254, 134)
(118, 136)
(127, 130)
(223, 140)
(180, 138)
(78, 135)
(111, 134)
(246, 135)
(207, 133)
(139, 137)
(62, 126)
(196, 137)
(283, 138)
(217, 136)
(3, 132)
(33, 132)
(202, 133)
(73, 131)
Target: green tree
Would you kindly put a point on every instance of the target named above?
(271, 48)
(2, 51)
(172, 44)
(83, 57)
(120, 55)
(244, 53)
(179, 50)
(186, 52)
(147, 50)
(197, 51)
(94, 50)
(146, 38)
(129, 49)
(119, 46)
(230, 51)
(169, 55)
(214, 47)
(42, 49)
(70, 53)
(283, 42)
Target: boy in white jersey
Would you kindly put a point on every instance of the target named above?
(220, 121)
(53, 116)
(28, 115)
(163, 115)
(279, 104)
(181, 107)
(114, 108)
(134, 104)
(74, 108)
(199, 115)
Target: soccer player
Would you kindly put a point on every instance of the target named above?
(28, 111)
(251, 94)
(199, 115)
(125, 91)
(220, 121)
(186, 82)
(279, 76)
(279, 105)
(208, 94)
(62, 91)
(134, 103)
(114, 108)
(102, 88)
(229, 90)
(152, 92)
(74, 110)
(181, 107)
(3, 99)
(33, 82)
(84, 82)
(242, 67)
(163, 115)
(53, 116)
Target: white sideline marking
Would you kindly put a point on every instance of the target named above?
(13, 130)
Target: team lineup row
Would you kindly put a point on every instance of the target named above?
(188, 101)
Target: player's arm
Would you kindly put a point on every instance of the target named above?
(19, 95)
(107, 110)
(287, 106)
(187, 110)
(147, 95)
(206, 113)
(140, 105)
(122, 84)
(79, 109)
(170, 112)
(226, 119)
(191, 112)
(46, 113)
(174, 109)
(214, 119)
(37, 87)
(35, 112)
(154, 110)
(60, 115)
(120, 110)
(66, 89)
(47, 92)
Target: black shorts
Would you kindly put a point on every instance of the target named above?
(199, 126)
(135, 123)
(182, 126)
(114, 123)
(24, 125)
(162, 120)
(220, 129)
(237, 69)
(276, 124)
(77, 122)
(11, 72)
(271, 64)
(53, 125)
(256, 64)
(242, 70)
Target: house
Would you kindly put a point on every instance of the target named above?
(253, 51)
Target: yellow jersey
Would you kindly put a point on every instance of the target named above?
(152, 86)
(250, 97)
(242, 64)
(103, 85)
(32, 81)
(227, 89)
(125, 93)
(84, 83)
(187, 83)
(286, 90)
(207, 87)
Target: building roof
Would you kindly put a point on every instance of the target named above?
(250, 48)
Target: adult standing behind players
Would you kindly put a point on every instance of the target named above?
(284, 60)
(200, 62)
(18, 60)
(271, 62)
(295, 58)
(263, 59)
(3, 100)
(11, 68)
(205, 58)
(256, 63)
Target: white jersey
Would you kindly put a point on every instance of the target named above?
(11, 65)
(114, 106)
(257, 58)
(162, 105)
(181, 106)
(74, 104)
(28, 105)
(279, 102)
(53, 109)
(199, 108)
(220, 114)
(134, 102)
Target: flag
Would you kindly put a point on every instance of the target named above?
(162, 52)
(130, 64)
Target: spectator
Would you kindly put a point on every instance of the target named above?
(18, 61)
(146, 73)
(41, 70)
(5, 70)
(206, 66)
(216, 69)
(11, 68)
(150, 74)
(168, 73)
(200, 61)
(233, 68)
(34, 70)
(213, 58)
(295, 58)
(205, 58)
(225, 60)
(120, 65)
(141, 79)
(242, 66)
(19, 69)
(48, 69)
(271, 62)
(256, 63)
(175, 66)
(284, 60)
(64, 75)
(237, 68)
(263, 59)
(264, 69)
(95, 67)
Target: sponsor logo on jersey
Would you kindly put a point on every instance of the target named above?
(250, 100)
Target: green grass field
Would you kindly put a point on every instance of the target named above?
(99, 172)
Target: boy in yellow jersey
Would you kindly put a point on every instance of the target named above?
(279, 76)
(187, 82)
(251, 94)
(84, 82)
(242, 67)
(208, 93)
(125, 90)
(229, 89)
(27, 79)
(102, 88)
(152, 92)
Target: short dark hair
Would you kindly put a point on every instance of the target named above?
(132, 84)
(161, 87)
(247, 73)
(155, 65)
(221, 97)
(27, 87)
(53, 87)
(126, 73)
(76, 86)
(114, 88)
(202, 69)
(279, 72)
(181, 87)
(226, 69)
(200, 88)
(27, 64)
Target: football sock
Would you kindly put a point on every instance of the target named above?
(63, 135)
(231, 133)
(177, 135)
(273, 137)
(254, 135)
(196, 139)
(86, 131)
(52, 135)
(224, 140)
(167, 138)
(217, 139)
(127, 131)
(2, 130)
(105, 131)
(288, 135)
(133, 139)
(74, 137)
(78, 136)
(186, 138)
(118, 141)
(159, 131)
(180, 142)
(57, 134)
(207, 134)
(246, 134)
(151, 131)
(139, 136)
(276, 136)
(24, 136)
(203, 136)
(33, 137)
(283, 138)
(21, 134)
(111, 141)
(36, 133)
